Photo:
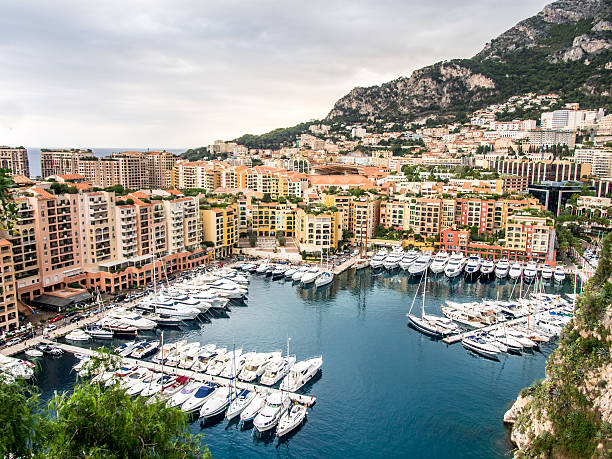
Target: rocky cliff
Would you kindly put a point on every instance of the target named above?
(569, 413)
(564, 48)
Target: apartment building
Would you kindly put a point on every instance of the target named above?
(515, 183)
(15, 160)
(540, 171)
(9, 318)
(183, 225)
(532, 235)
(61, 162)
(24, 247)
(269, 218)
(125, 170)
(600, 160)
(317, 232)
(159, 165)
(220, 228)
(358, 215)
(98, 236)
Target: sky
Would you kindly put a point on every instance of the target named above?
(185, 73)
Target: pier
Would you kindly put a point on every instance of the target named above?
(451, 339)
(308, 400)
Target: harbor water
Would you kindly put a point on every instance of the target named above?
(385, 390)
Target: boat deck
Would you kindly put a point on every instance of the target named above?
(451, 339)
(308, 400)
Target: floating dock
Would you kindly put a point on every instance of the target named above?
(308, 400)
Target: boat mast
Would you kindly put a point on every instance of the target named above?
(424, 288)
(288, 340)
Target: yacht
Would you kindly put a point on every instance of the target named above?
(217, 402)
(270, 414)
(279, 272)
(326, 277)
(516, 270)
(198, 398)
(487, 268)
(392, 260)
(134, 378)
(118, 328)
(439, 262)
(547, 272)
(126, 349)
(407, 260)
(277, 369)
(132, 319)
(361, 263)
(301, 373)
(420, 265)
(172, 309)
(144, 349)
(184, 394)
(480, 346)
(530, 270)
(559, 274)
(215, 367)
(290, 272)
(292, 419)
(205, 357)
(237, 406)
(167, 350)
(472, 267)
(377, 261)
(256, 366)
(455, 265)
(97, 332)
(236, 364)
(189, 357)
(227, 288)
(253, 408)
(157, 385)
(501, 268)
(262, 268)
(310, 276)
(299, 273)
(78, 336)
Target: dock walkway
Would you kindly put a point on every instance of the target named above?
(308, 400)
(451, 339)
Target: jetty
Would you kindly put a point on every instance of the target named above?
(308, 400)
(451, 339)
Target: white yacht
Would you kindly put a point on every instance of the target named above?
(132, 319)
(292, 419)
(530, 270)
(516, 270)
(326, 277)
(310, 276)
(184, 394)
(377, 260)
(256, 366)
(217, 402)
(237, 406)
(279, 272)
(189, 357)
(172, 309)
(301, 373)
(361, 263)
(290, 272)
(472, 267)
(198, 397)
(253, 408)
(215, 367)
(270, 414)
(501, 268)
(277, 369)
(297, 276)
(559, 274)
(439, 262)
(236, 364)
(97, 332)
(455, 265)
(547, 272)
(487, 268)
(409, 258)
(144, 349)
(78, 336)
(205, 357)
(420, 265)
(480, 346)
(262, 268)
(392, 260)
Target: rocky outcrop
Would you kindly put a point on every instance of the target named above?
(564, 31)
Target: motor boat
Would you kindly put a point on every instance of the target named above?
(279, 272)
(455, 265)
(78, 336)
(34, 353)
(236, 364)
(167, 307)
(20, 369)
(530, 270)
(132, 319)
(97, 332)
(157, 384)
(301, 373)
(253, 408)
(377, 260)
(310, 276)
(420, 265)
(176, 355)
(163, 320)
(144, 349)
(277, 369)
(217, 402)
(256, 365)
(126, 349)
(439, 262)
(48, 349)
(299, 273)
(189, 357)
(262, 268)
(237, 406)
(361, 263)
(559, 274)
(472, 267)
(326, 277)
(205, 357)
(501, 268)
(487, 268)
(198, 398)
(167, 350)
(168, 390)
(480, 346)
(392, 260)
(291, 419)
(184, 394)
(516, 270)
(547, 272)
(290, 272)
(275, 406)
(407, 260)
(215, 367)
(134, 378)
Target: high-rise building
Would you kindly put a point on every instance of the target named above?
(317, 232)
(9, 318)
(61, 162)
(15, 160)
(220, 228)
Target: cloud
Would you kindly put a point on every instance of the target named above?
(184, 73)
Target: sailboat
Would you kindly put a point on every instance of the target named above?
(326, 276)
(431, 325)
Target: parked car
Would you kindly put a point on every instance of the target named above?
(56, 318)
(69, 314)
(120, 298)
(13, 341)
(75, 319)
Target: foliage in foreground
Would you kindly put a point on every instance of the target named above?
(92, 422)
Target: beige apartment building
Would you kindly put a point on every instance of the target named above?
(61, 162)
(182, 218)
(220, 228)
(97, 213)
(9, 318)
(15, 160)
(127, 171)
(533, 235)
(317, 232)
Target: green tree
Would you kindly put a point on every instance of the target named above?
(8, 207)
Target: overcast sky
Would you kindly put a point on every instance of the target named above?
(184, 73)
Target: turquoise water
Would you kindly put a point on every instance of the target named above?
(385, 390)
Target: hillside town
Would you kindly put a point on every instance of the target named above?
(487, 187)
